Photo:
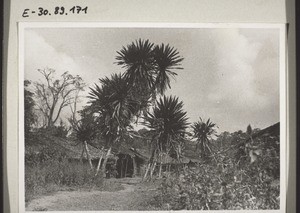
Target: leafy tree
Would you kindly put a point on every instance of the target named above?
(203, 132)
(29, 104)
(52, 95)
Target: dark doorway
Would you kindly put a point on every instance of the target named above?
(124, 166)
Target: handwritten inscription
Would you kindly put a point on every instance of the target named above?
(55, 11)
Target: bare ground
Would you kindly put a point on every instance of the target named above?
(135, 195)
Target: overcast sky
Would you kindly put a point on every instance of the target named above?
(229, 75)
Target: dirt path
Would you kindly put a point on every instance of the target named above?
(134, 196)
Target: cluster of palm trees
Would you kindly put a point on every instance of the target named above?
(122, 99)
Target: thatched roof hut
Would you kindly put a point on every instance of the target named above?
(43, 142)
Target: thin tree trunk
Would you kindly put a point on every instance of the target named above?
(105, 161)
(160, 168)
(152, 170)
(160, 165)
(122, 168)
(134, 167)
(147, 170)
(88, 154)
(81, 156)
(99, 163)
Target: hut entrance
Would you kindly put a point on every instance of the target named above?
(124, 166)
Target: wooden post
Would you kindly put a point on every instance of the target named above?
(147, 170)
(81, 156)
(88, 154)
(122, 160)
(99, 162)
(105, 161)
(160, 168)
(134, 166)
(126, 164)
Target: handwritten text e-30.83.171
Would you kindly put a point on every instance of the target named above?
(56, 11)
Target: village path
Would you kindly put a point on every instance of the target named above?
(134, 196)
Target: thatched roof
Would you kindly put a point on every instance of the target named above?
(273, 130)
(144, 152)
(77, 150)
(140, 148)
(71, 149)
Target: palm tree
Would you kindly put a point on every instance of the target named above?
(114, 108)
(203, 132)
(148, 67)
(167, 123)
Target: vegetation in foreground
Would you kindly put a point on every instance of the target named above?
(231, 179)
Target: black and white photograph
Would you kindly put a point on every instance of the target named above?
(152, 117)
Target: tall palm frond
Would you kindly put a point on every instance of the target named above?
(149, 67)
(166, 59)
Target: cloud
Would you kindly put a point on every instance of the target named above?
(245, 85)
(234, 71)
(39, 55)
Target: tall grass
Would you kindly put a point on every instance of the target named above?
(53, 175)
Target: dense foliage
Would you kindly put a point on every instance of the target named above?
(226, 184)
